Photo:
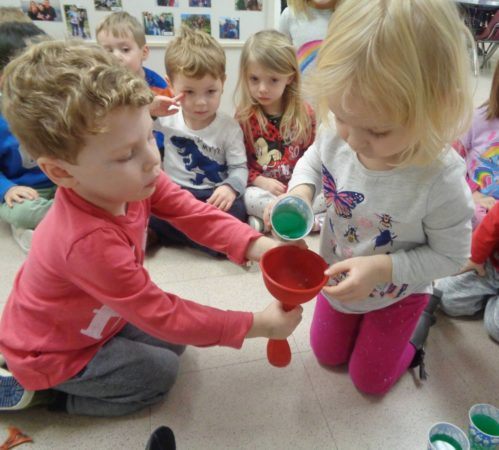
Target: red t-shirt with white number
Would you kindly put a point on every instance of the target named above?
(84, 279)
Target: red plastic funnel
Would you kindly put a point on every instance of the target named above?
(293, 275)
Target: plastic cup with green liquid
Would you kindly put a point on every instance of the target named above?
(484, 427)
(446, 436)
(291, 218)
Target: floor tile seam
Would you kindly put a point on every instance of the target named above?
(203, 369)
(324, 416)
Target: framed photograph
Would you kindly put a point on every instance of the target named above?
(197, 21)
(200, 3)
(229, 28)
(249, 5)
(108, 5)
(77, 22)
(45, 10)
(170, 3)
(158, 24)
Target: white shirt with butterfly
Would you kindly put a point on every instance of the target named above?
(418, 215)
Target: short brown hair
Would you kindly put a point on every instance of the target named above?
(121, 24)
(194, 54)
(57, 93)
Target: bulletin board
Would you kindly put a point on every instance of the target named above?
(229, 21)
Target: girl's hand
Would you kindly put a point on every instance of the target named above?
(275, 187)
(484, 200)
(162, 105)
(223, 197)
(304, 191)
(478, 268)
(17, 194)
(361, 275)
(275, 323)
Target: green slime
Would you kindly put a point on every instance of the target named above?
(444, 442)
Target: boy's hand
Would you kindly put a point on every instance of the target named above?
(262, 244)
(162, 106)
(275, 187)
(17, 194)
(223, 197)
(478, 268)
(274, 323)
(484, 200)
(358, 276)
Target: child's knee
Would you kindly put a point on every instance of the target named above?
(371, 384)
(326, 357)
(163, 373)
(491, 318)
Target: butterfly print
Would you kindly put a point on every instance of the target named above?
(343, 201)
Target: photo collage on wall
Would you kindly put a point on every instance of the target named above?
(224, 19)
(163, 23)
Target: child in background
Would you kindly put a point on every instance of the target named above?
(480, 148)
(478, 286)
(305, 23)
(26, 193)
(204, 148)
(399, 208)
(122, 35)
(84, 318)
(278, 126)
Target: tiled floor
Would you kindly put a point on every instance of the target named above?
(227, 399)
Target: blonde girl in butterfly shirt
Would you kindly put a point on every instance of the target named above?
(392, 75)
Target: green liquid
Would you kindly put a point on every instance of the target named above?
(288, 223)
(444, 442)
(486, 424)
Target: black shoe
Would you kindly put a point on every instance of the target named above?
(434, 302)
(420, 335)
(426, 320)
(162, 438)
(418, 360)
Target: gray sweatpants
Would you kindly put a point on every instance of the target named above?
(468, 293)
(131, 371)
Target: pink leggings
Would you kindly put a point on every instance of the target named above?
(375, 344)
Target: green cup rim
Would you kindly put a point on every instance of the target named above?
(473, 423)
(467, 441)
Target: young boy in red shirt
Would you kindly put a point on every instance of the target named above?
(84, 318)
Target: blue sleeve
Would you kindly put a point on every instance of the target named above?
(7, 144)
(153, 79)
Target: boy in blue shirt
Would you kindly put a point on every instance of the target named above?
(26, 193)
(122, 35)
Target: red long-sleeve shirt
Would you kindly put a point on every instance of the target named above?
(84, 279)
(485, 242)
